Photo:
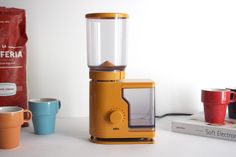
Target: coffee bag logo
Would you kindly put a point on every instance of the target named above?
(11, 54)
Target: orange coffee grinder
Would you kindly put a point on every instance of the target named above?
(121, 110)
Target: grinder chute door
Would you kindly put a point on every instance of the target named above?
(141, 106)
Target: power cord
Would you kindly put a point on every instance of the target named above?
(173, 114)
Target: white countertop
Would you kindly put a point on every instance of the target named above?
(71, 139)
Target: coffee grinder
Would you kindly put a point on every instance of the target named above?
(120, 110)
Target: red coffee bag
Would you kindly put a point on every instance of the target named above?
(13, 38)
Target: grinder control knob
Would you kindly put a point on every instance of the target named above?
(116, 117)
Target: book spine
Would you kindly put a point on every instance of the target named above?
(208, 131)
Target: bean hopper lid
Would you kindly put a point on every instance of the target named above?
(106, 16)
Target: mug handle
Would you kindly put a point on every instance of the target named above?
(28, 115)
(234, 97)
(59, 103)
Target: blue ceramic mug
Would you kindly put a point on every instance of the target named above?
(44, 112)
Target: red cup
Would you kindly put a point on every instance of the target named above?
(215, 102)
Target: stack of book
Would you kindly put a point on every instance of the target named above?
(196, 125)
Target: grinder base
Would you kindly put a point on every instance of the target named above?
(121, 140)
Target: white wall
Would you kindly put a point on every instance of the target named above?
(183, 45)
